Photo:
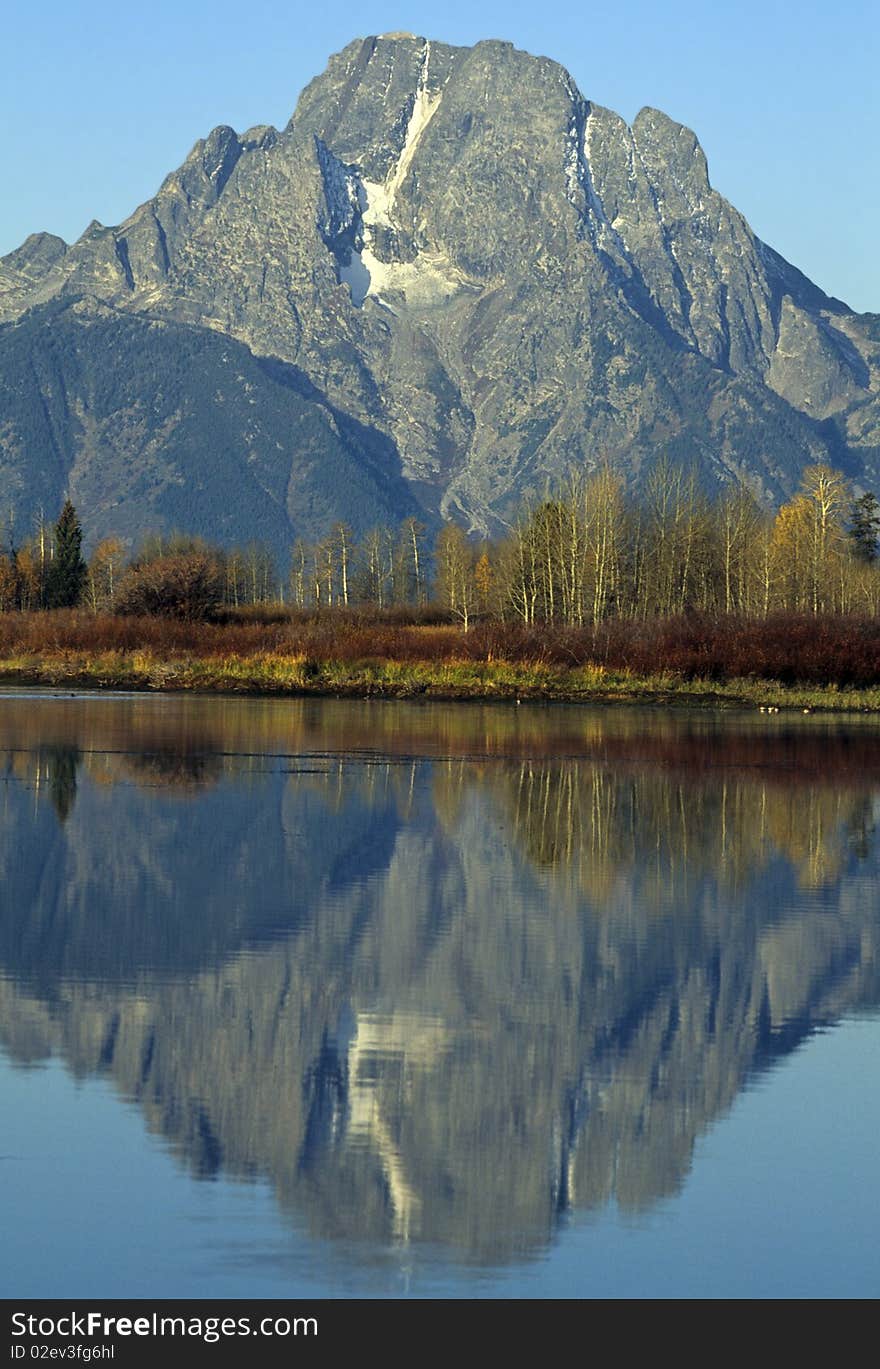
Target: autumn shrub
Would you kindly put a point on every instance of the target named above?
(187, 585)
(791, 648)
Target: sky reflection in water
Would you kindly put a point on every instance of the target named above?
(439, 999)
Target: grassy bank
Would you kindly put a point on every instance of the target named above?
(828, 664)
(275, 673)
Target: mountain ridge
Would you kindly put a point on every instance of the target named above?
(489, 297)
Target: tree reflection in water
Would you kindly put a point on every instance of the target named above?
(438, 975)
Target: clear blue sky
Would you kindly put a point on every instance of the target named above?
(100, 100)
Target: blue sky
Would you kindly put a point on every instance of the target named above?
(100, 100)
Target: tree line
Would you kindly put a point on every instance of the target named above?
(185, 576)
(588, 551)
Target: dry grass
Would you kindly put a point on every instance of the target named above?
(282, 651)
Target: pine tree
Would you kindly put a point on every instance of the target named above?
(67, 573)
(865, 527)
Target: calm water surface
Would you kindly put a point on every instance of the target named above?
(364, 998)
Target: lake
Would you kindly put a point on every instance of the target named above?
(306, 998)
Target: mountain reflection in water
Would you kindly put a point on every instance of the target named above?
(439, 974)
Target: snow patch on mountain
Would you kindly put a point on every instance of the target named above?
(580, 188)
(359, 209)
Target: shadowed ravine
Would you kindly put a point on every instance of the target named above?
(438, 975)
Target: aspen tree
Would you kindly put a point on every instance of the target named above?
(342, 538)
(455, 573)
(828, 500)
(298, 575)
(103, 575)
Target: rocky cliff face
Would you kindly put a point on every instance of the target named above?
(466, 273)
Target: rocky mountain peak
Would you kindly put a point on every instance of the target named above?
(673, 152)
(471, 276)
(38, 252)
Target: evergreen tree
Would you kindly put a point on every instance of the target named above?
(865, 527)
(67, 573)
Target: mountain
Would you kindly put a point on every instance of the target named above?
(449, 278)
(293, 955)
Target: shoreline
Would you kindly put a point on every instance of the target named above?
(275, 675)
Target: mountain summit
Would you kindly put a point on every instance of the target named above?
(449, 278)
